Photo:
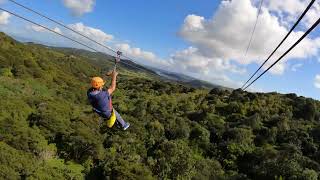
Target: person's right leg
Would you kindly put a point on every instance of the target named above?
(124, 125)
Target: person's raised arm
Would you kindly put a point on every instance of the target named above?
(112, 88)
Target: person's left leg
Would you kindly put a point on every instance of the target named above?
(124, 125)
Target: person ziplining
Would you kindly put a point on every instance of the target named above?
(99, 97)
(101, 100)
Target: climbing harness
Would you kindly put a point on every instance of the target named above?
(109, 122)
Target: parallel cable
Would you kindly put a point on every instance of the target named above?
(65, 26)
(61, 24)
(292, 28)
(254, 28)
(73, 40)
(294, 45)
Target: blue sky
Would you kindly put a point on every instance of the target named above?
(202, 38)
(151, 25)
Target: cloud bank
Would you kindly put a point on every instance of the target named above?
(79, 7)
(219, 42)
(4, 18)
(225, 35)
(94, 33)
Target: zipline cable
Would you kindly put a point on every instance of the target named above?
(61, 24)
(65, 26)
(254, 28)
(76, 41)
(294, 45)
(292, 28)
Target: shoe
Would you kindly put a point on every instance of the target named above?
(126, 126)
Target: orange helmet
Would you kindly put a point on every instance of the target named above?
(97, 82)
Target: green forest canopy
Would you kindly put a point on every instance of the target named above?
(48, 131)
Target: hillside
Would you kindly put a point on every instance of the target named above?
(48, 131)
(187, 80)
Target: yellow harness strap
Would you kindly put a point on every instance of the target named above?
(110, 122)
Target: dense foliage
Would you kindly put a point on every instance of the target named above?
(48, 131)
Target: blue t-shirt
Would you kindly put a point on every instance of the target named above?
(101, 102)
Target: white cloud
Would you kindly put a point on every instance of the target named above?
(291, 7)
(193, 23)
(58, 30)
(4, 18)
(37, 28)
(32, 33)
(43, 30)
(191, 60)
(136, 52)
(290, 10)
(145, 57)
(277, 69)
(295, 67)
(91, 32)
(317, 81)
(79, 7)
(313, 14)
(226, 35)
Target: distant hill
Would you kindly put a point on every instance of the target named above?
(185, 79)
